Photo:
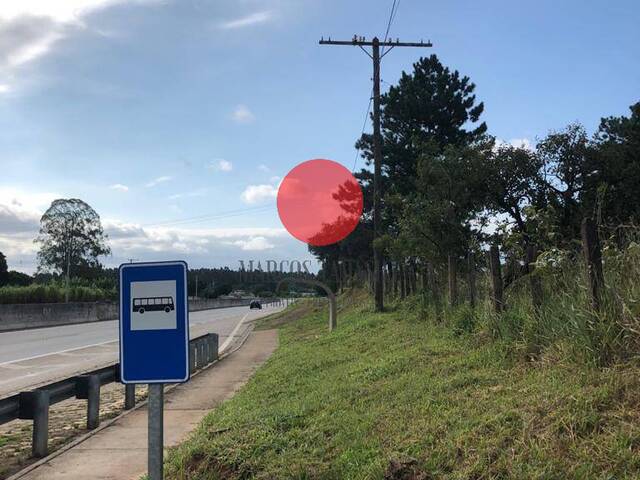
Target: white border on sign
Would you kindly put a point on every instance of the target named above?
(186, 316)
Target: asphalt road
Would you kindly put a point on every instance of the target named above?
(29, 358)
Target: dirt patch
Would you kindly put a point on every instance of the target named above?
(405, 470)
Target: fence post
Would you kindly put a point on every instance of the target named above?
(129, 396)
(35, 406)
(453, 280)
(471, 267)
(414, 277)
(535, 285)
(88, 388)
(435, 290)
(593, 260)
(496, 278)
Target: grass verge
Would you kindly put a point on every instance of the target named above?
(390, 396)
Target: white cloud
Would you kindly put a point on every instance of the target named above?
(201, 192)
(4, 88)
(27, 201)
(274, 179)
(242, 114)
(258, 193)
(59, 10)
(129, 237)
(20, 213)
(515, 142)
(254, 244)
(157, 181)
(262, 167)
(247, 21)
(220, 164)
(225, 165)
(15, 220)
(30, 28)
(120, 187)
(521, 143)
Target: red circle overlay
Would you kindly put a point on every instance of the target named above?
(319, 202)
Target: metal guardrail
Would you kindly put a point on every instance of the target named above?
(34, 404)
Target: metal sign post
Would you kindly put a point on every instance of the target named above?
(156, 431)
(154, 339)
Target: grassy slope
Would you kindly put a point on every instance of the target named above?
(388, 396)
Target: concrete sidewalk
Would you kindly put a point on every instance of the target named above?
(119, 451)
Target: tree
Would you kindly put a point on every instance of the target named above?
(565, 157)
(512, 182)
(613, 177)
(449, 193)
(432, 105)
(4, 272)
(19, 279)
(71, 237)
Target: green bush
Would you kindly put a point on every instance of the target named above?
(54, 292)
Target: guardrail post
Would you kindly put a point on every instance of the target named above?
(35, 406)
(209, 348)
(207, 352)
(214, 345)
(129, 396)
(192, 357)
(201, 358)
(88, 388)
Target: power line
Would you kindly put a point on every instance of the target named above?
(392, 15)
(210, 216)
(364, 125)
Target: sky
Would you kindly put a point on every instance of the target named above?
(177, 119)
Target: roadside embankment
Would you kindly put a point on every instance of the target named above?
(392, 396)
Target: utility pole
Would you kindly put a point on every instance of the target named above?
(375, 45)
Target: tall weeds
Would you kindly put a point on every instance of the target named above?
(565, 324)
(54, 292)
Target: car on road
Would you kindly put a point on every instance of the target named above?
(255, 304)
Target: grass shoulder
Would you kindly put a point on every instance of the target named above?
(390, 396)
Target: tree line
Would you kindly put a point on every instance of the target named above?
(451, 190)
(72, 243)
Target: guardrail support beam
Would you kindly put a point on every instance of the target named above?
(214, 345)
(202, 359)
(129, 396)
(88, 388)
(192, 357)
(35, 406)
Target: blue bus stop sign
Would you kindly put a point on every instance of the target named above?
(154, 323)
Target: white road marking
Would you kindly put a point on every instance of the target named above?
(224, 345)
(54, 353)
(233, 333)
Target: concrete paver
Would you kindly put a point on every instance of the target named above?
(119, 451)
